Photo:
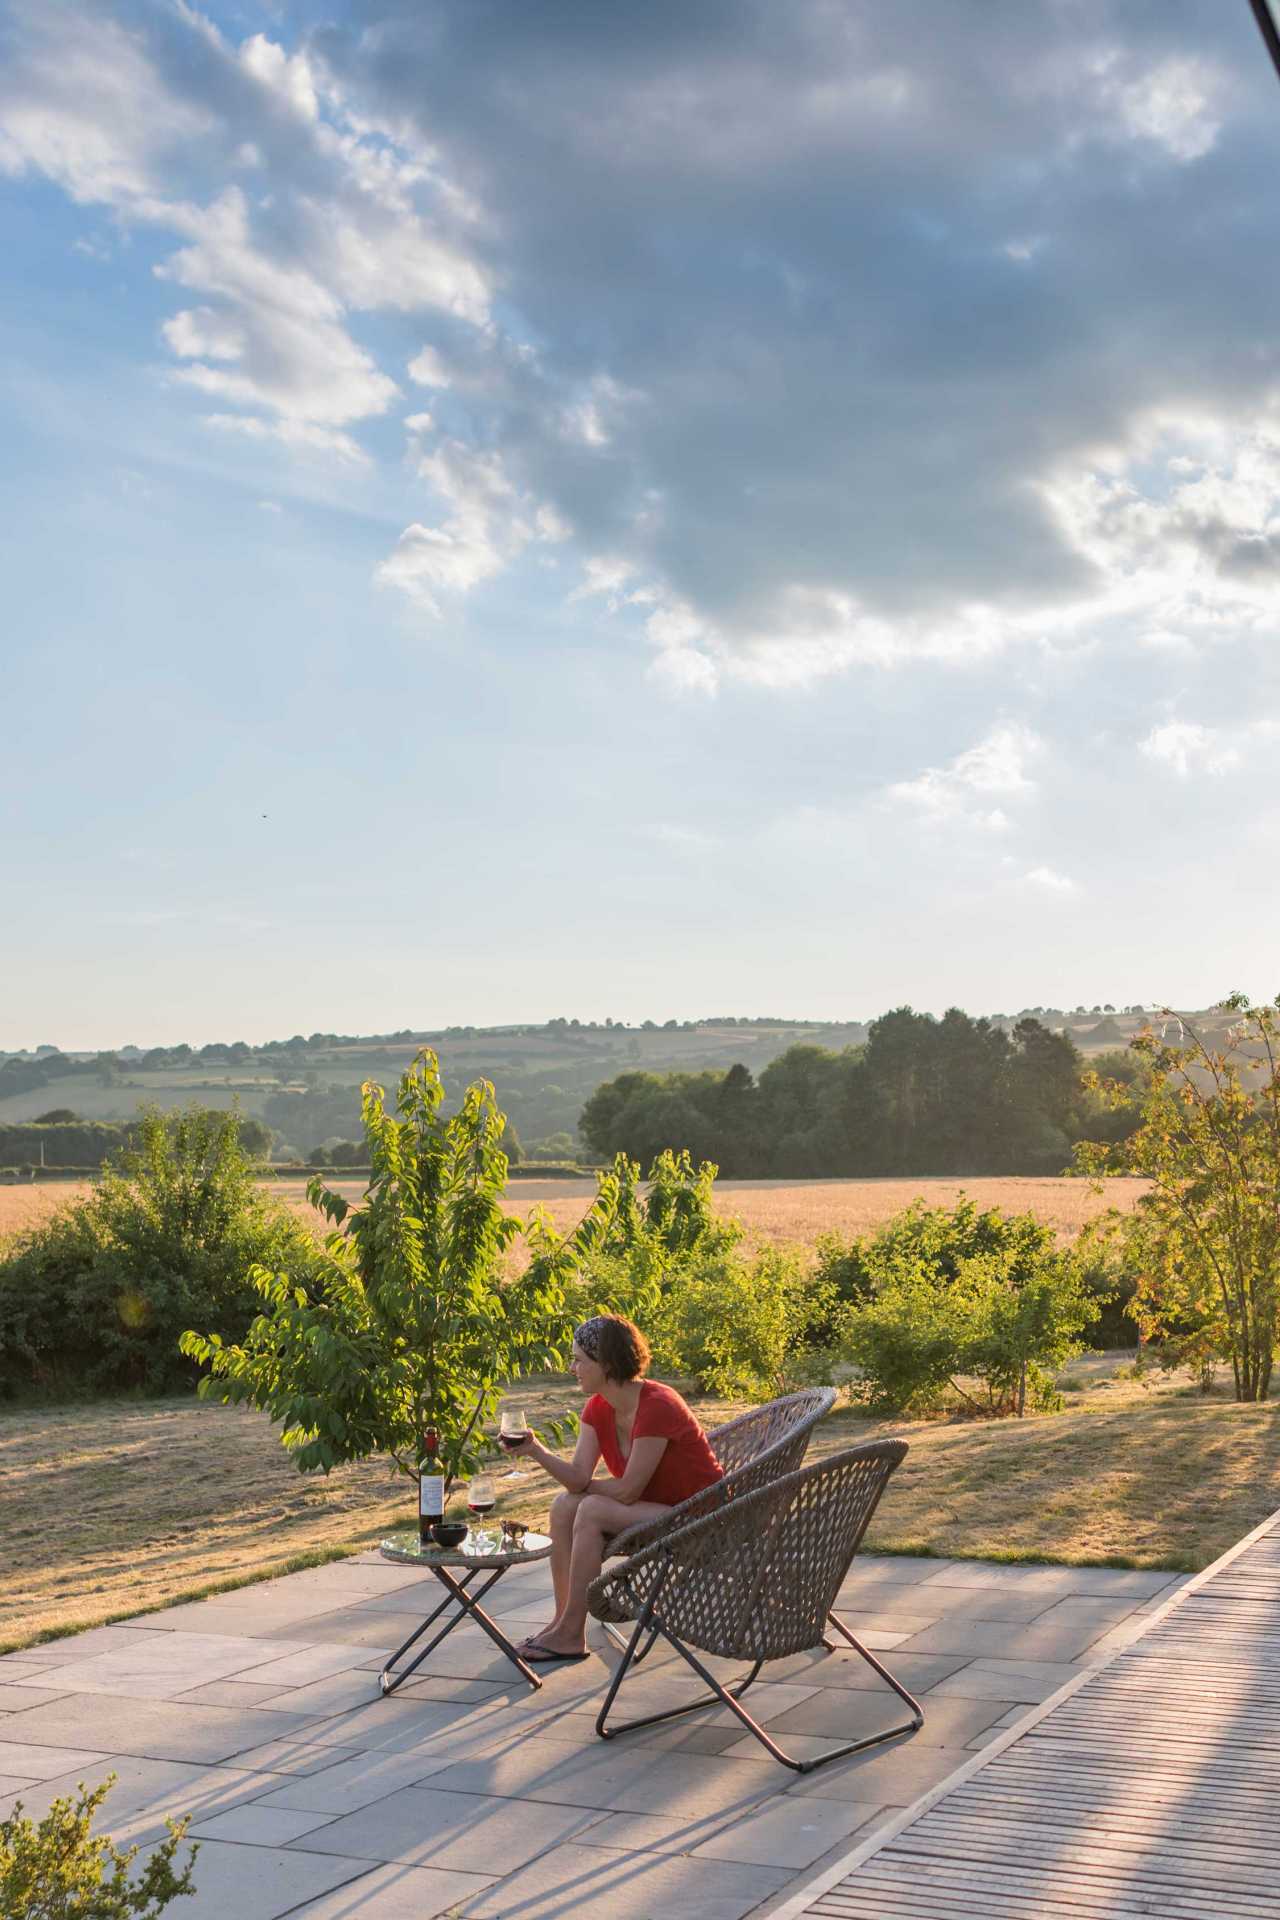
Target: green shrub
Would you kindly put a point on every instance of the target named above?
(96, 1297)
(741, 1327)
(937, 1299)
(941, 1239)
(1107, 1275)
(57, 1869)
(738, 1326)
(904, 1341)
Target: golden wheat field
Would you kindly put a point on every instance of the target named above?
(794, 1211)
(798, 1211)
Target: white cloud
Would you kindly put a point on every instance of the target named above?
(200, 333)
(289, 77)
(686, 840)
(1049, 880)
(607, 575)
(87, 105)
(1185, 747)
(428, 368)
(486, 522)
(995, 765)
(300, 434)
(84, 105)
(1173, 105)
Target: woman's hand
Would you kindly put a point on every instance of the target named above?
(526, 1444)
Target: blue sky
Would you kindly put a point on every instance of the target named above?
(639, 512)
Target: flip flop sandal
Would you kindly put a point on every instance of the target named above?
(535, 1654)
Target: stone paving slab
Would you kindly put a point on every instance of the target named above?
(780, 1836)
(845, 1715)
(397, 1893)
(154, 1729)
(240, 1693)
(17, 1699)
(974, 1639)
(146, 1794)
(578, 1882)
(245, 1882)
(1134, 1583)
(1025, 1682)
(469, 1794)
(424, 1827)
(34, 1760)
(353, 1783)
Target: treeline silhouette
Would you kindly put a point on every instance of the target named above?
(955, 1095)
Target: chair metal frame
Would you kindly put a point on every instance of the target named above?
(727, 1577)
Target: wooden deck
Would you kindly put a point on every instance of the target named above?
(1149, 1787)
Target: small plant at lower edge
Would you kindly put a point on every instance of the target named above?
(58, 1869)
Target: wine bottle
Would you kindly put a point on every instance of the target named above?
(430, 1486)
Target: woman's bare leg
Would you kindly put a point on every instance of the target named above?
(595, 1518)
(564, 1511)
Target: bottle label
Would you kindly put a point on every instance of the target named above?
(431, 1496)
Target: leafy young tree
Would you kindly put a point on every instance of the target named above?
(1206, 1238)
(57, 1869)
(413, 1322)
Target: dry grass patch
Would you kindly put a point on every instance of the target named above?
(111, 1508)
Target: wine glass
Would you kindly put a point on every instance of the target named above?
(481, 1496)
(513, 1429)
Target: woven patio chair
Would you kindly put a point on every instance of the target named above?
(755, 1580)
(755, 1449)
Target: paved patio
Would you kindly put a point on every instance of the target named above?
(258, 1712)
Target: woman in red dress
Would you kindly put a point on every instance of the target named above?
(655, 1455)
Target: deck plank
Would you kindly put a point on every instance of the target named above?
(1150, 1790)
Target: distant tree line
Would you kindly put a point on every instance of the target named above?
(955, 1095)
(61, 1139)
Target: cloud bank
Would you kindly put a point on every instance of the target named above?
(812, 340)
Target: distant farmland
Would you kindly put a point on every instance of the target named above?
(780, 1211)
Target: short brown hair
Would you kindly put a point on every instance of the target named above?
(622, 1349)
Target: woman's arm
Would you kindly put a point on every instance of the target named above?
(574, 1475)
(642, 1463)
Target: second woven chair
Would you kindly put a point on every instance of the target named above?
(755, 1449)
(755, 1580)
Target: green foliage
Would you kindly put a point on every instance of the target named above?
(56, 1869)
(96, 1297)
(955, 1095)
(940, 1302)
(739, 1327)
(1204, 1243)
(412, 1322)
(941, 1239)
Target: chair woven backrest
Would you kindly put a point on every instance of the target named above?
(743, 1440)
(754, 1449)
(756, 1579)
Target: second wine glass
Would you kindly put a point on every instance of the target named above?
(481, 1497)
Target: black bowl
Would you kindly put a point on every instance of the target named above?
(449, 1533)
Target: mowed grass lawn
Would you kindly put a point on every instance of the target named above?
(110, 1508)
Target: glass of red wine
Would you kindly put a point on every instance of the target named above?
(511, 1432)
(481, 1497)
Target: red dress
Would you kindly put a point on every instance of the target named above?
(687, 1464)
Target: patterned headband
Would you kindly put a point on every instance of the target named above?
(587, 1336)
